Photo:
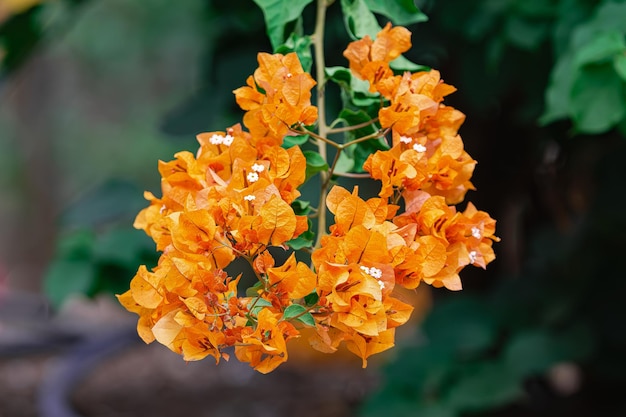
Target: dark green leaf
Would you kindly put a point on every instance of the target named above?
(462, 324)
(354, 117)
(301, 45)
(67, 277)
(619, 63)
(277, 14)
(400, 12)
(526, 33)
(598, 100)
(314, 163)
(311, 299)
(122, 246)
(559, 88)
(357, 89)
(102, 204)
(488, 386)
(301, 208)
(76, 246)
(534, 352)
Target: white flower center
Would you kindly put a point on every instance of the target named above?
(476, 233)
(473, 255)
(419, 147)
(253, 177)
(405, 139)
(258, 168)
(249, 197)
(228, 140)
(216, 139)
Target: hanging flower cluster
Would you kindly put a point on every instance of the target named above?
(235, 199)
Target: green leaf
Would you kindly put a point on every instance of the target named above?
(311, 299)
(535, 351)
(400, 12)
(619, 63)
(351, 117)
(402, 64)
(300, 313)
(258, 304)
(314, 163)
(603, 46)
(487, 386)
(301, 45)
(358, 19)
(345, 163)
(293, 310)
(122, 247)
(559, 88)
(277, 14)
(76, 246)
(67, 277)
(462, 324)
(253, 291)
(289, 141)
(307, 319)
(526, 33)
(357, 89)
(305, 240)
(102, 204)
(301, 208)
(597, 99)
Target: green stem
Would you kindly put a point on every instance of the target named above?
(320, 65)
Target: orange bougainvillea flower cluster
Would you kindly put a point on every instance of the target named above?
(276, 97)
(235, 199)
(228, 201)
(427, 153)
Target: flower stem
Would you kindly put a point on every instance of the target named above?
(318, 47)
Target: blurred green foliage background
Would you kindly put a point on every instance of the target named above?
(93, 93)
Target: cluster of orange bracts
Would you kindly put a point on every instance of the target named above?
(233, 200)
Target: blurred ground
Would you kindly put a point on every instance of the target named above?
(90, 351)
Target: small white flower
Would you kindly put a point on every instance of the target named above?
(163, 208)
(249, 197)
(476, 233)
(375, 272)
(228, 140)
(253, 177)
(216, 139)
(381, 284)
(365, 269)
(258, 168)
(405, 139)
(289, 75)
(419, 147)
(473, 255)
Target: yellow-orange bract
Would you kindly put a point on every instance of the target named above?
(235, 198)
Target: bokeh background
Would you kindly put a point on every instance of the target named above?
(94, 92)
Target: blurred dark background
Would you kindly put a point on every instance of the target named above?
(93, 93)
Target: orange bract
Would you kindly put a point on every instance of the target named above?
(276, 97)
